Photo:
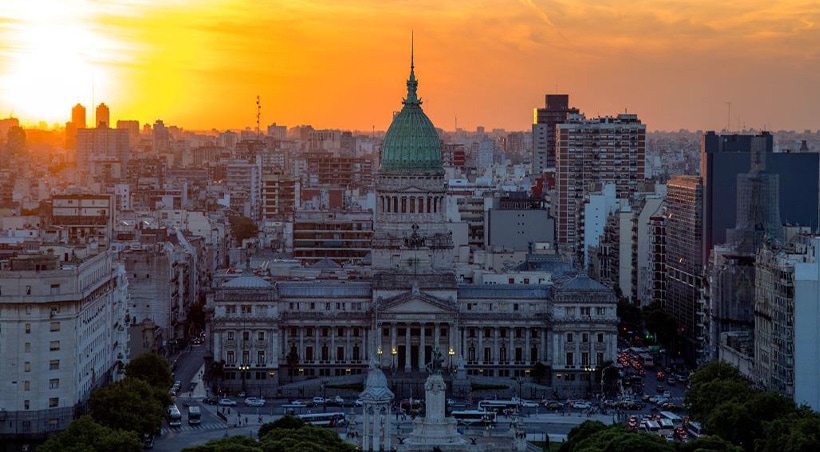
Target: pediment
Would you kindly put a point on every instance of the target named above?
(416, 302)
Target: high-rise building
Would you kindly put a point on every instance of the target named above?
(103, 116)
(724, 157)
(684, 268)
(543, 130)
(102, 143)
(78, 116)
(786, 333)
(590, 153)
(62, 326)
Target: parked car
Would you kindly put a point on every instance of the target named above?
(553, 404)
(318, 401)
(227, 402)
(528, 404)
(210, 400)
(335, 401)
(581, 405)
(255, 401)
(358, 402)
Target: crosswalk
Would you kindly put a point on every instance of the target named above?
(194, 428)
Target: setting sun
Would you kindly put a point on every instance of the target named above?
(201, 64)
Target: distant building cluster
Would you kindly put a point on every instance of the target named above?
(306, 254)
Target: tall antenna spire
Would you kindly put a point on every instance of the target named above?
(258, 114)
(412, 83)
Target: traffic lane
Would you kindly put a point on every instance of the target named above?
(186, 366)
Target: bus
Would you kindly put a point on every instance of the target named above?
(695, 430)
(647, 360)
(335, 419)
(474, 417)
(498, 406)
(174, 416)
(677, 421)
(194, 415)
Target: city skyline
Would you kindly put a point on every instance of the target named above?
(201, 64)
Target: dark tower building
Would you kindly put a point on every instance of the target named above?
(724, 157)
(543, 130)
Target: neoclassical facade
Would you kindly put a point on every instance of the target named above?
(413, 303)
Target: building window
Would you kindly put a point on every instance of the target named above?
(355, 332)
(28, 347)
(54, 364)
(585, 359)
(325, 331)
(246, 357)
(55, 326)
(600, 311)
(309, 331)
(260, 358)
(569, 337)
(27, 366)
(54, 346)
(586, 310)
(600, 337)
(26, 386)
(246, 309)
(488, 332)
(356, 353)
(535, 333)
(54, 383)
(309, 353)
(340, 353)
(260, 336)
(230, 335)
(600, 358)
(294, 331)
(26, 404)
(231, 358)
(230, 309)
(28, 328)
(488, 354)
(340, 331)
(570, 360)
(519, 333)
(569, 311)
(312, 306)
(584, 337)
(53, 402)
(246, 335)
(325, 353)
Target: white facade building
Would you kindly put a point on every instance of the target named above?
(62, 333)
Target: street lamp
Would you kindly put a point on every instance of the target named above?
(393, 352)
(520, 382)
(324, 396)
(452, 353)
(242, 369)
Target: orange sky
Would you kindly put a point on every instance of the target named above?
(200, 64)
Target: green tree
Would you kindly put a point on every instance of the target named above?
(284, 422)
(243, 228)
(152, 369)
(85, 435)
(236, 443)
(130, 404)
(796, 433)
(307, 439)
(701, 400)
(708, 443)
(596, 437)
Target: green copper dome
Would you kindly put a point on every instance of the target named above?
(411, 143)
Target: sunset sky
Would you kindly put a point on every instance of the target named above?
(200, 64)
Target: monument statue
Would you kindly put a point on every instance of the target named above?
(434, 366)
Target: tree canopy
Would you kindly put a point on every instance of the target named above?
(594, 436)
(85, 435)
(288, 434)
(151, 368)
(130, 404)
(243, 228)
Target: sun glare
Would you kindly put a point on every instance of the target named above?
(51, 60)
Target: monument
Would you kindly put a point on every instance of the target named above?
(435, 430)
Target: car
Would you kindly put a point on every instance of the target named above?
(226, 402)
(358, 402)
(580, 405)
(671, 380)
(553, 404)
(667, 394)
(210, 400)
(528, 404)
(660, 389)
(318, 401)
(336, 401)
(255, 401)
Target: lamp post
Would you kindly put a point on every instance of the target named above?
(244, 367)
(393, 352)
(520, 382)
(379, 352)
(324, 396)
(452, 353)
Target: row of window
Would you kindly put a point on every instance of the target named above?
(569, 311)
(585, 337)
(53, 326)
(53, 364)
(53, 402)
(53, 383)
(570, 362)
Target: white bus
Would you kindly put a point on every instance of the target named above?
(498, 406)
(695, 430)
(677, 421)
(335, 419)
(194, 415)
(174, 416)
(474, 417)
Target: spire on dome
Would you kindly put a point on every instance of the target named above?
(412, 83)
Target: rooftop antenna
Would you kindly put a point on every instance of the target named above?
(728, 116)
(258, 114)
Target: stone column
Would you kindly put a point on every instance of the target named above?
(332, 352)
(437, 338)
(368, 416)
(528, 344)
(407, 362)
(421, 347)
(394, 345)
(496, 356)
(301, 350)
(480, 352)
(387, 427)
(377, 427)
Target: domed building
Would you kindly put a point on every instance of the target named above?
(274, 340)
